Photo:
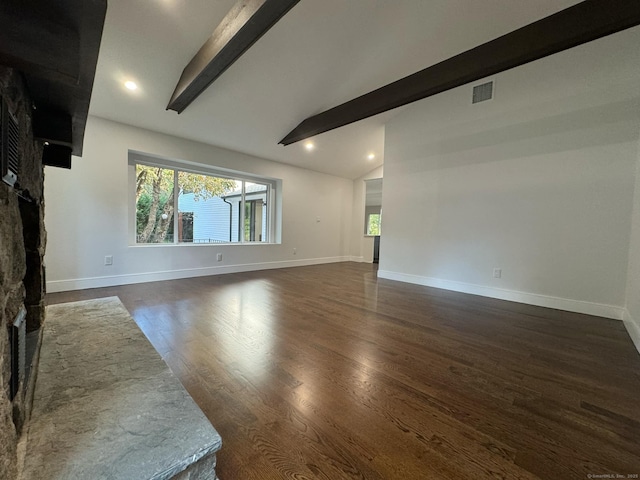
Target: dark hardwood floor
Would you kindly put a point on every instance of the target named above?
(326, 372)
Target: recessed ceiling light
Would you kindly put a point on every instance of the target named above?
(130, 85)
(309, 146)
(371, 156)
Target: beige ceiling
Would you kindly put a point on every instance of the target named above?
(321, 54)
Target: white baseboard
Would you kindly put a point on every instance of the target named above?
(633, 328)
(353, 258)
(578, 306)
(114, 280)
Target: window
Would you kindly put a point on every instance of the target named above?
(373, 224)
(154, 204)
(176, 205)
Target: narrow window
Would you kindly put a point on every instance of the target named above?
(373, 224)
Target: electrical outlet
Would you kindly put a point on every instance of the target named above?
(108, 260)
(219, 257)
(497, 273)
(295, 250)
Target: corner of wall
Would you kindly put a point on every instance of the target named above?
(633, 328)
(632, 310)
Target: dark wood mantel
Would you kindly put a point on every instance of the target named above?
(55, 45)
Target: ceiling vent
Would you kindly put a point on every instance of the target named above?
(9, 138)
(482, 93)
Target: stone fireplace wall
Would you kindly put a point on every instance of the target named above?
(22, 241)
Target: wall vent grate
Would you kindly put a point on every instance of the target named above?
(9, 141)
(482, 93)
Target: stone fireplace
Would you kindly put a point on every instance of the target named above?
(179, 442)
(48, 58)
(22, 241)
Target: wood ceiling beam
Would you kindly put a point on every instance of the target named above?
(245, 23)
(581, 23)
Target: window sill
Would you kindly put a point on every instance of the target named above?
(197, 245)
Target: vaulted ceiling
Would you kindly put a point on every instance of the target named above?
(320, 54)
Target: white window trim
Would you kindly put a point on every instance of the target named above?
(274, 198)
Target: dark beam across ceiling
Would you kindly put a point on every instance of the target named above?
(582, 23)
(245, 23)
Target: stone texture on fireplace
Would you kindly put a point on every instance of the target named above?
(106, 405)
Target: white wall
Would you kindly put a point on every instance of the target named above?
(87, 212)
(632, 313)
(538, 182)
(362, 245)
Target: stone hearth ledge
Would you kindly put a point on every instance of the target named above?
(107, 406)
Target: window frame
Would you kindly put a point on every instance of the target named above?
(273, 198)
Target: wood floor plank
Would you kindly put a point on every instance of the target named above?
(327, 372)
